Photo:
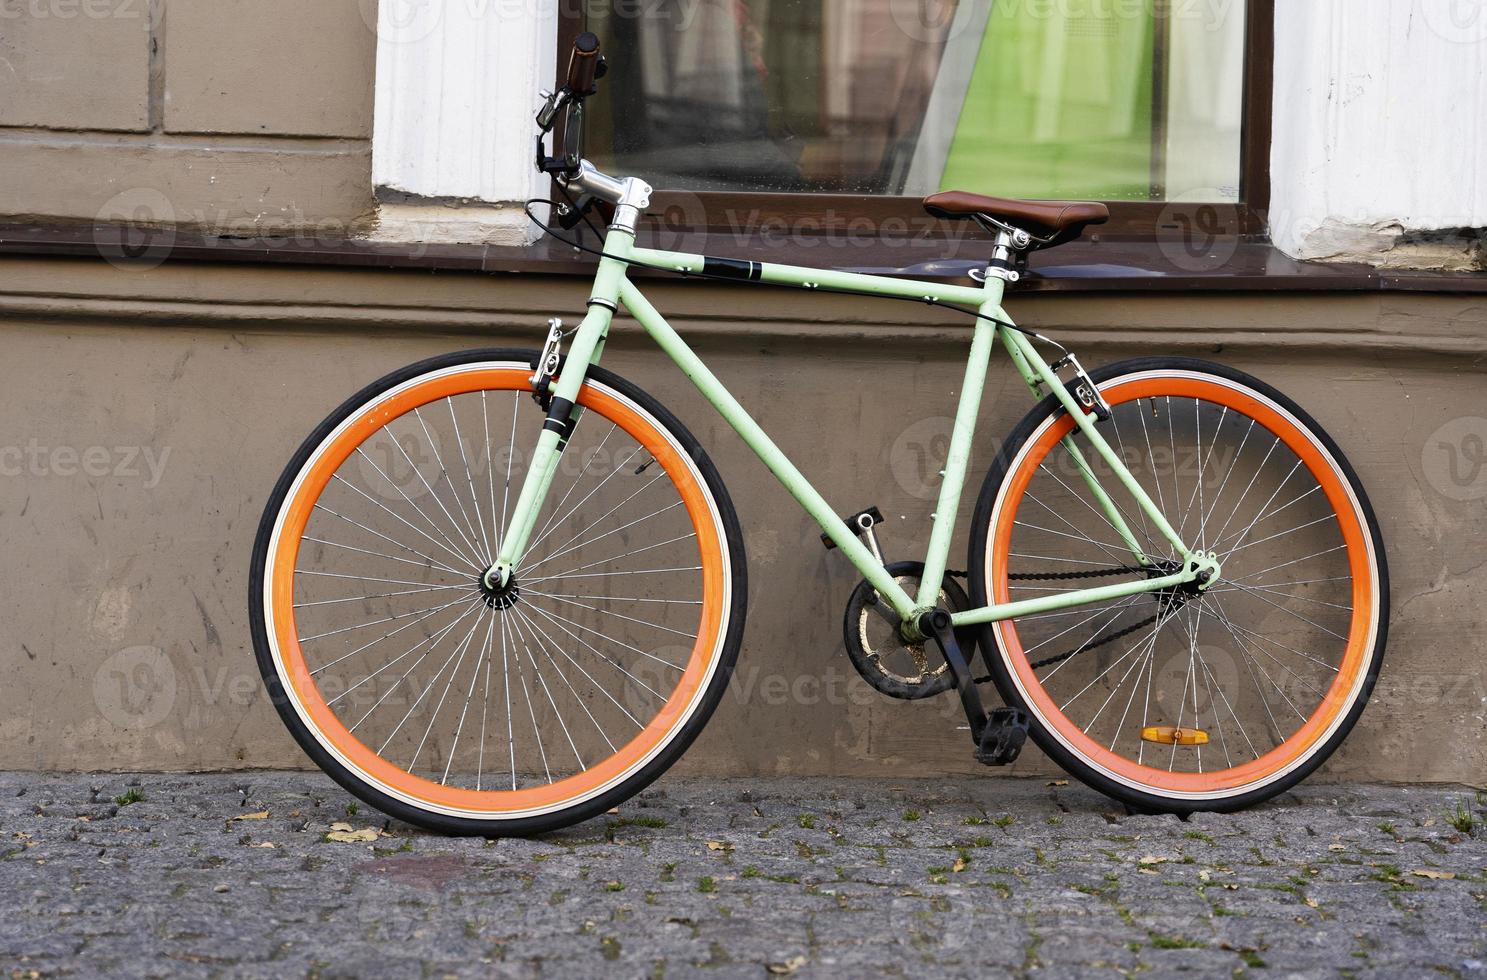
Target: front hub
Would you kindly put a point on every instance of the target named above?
(499, 595)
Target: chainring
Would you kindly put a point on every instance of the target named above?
(907, 671)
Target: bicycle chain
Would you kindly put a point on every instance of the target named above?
(1067, 577)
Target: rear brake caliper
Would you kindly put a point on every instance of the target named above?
(1082, 389)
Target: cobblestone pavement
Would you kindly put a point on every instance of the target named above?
(156, 875)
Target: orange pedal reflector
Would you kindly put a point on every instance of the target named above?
(1168, 735)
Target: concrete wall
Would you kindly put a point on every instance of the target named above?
(236, 116)
(144, 416)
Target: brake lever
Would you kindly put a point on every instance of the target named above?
(554, 102)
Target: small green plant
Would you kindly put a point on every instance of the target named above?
(1004, 821)
(1462, 818)
(129, 796)
(614, 886)
(655, 823)
(806, 821)
(352, 808)
(707, 885)
(911, 815)
(1174, 942)
(1252, 959)
(1386, 827)
(975, 821)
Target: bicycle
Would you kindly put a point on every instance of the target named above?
(1176, 583)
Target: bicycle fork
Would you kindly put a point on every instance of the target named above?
(563, 414)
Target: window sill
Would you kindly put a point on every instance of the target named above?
(1091, 265)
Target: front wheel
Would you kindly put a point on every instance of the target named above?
(1184, 700)
(467, 709)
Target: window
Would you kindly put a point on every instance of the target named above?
(1145, 103)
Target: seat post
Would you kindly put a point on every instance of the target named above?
(1005, 250)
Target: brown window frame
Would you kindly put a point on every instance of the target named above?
(749, 212)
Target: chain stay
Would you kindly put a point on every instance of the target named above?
(1067, 577)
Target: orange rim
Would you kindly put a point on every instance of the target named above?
(295, 673)
(1338, 696)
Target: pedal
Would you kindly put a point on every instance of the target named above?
(861, 524)
(1003, 737)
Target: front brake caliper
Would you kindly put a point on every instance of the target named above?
(547, 364)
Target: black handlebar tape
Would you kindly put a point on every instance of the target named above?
(583, 67)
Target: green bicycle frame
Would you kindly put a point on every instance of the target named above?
(612, 289)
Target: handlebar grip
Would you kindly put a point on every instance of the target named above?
(583, 66)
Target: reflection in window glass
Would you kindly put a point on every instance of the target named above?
(1109, 99)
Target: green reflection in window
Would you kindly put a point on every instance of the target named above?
(1059, 104)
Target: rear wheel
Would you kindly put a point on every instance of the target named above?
(1185, 700)
(471, 710)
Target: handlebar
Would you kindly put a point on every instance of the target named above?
(584, 65)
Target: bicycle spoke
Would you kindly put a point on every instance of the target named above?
(1227, 482)
(470, 481)
(459, 528)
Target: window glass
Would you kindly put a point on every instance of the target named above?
(1112, 99)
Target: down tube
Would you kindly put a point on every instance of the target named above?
(791, 478)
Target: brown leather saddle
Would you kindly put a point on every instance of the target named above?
(1049, 222)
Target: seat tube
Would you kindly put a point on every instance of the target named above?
(958, 458)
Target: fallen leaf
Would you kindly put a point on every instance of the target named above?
(1153, 859)
(613, 809)
(1432, 873)
(960, 865)
(1204, 875)
(260, 815)
(349, 836)
(267, 843)
(1310, 902)
(1058, 782)
(341, 825)
(719, 845)
(787, 967)
(1336, 847)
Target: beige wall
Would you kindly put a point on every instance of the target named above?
(230, 115)
(195, 383)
